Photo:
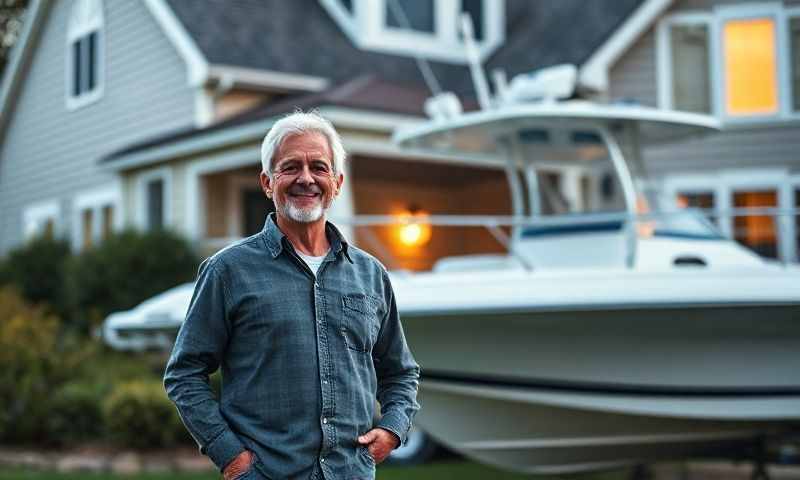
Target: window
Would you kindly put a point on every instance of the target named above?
(794, 32)
(153, 194)
(414, 14)
(700, 200)
(84, 53)
(94, 215)
(40, 219)
(429, 28)
(738, 62)
(691, 90)
(155, 204)
(758, 232)
(750, 67)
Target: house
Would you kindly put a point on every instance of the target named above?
(150, 114)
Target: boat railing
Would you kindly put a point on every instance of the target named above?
(772, 222)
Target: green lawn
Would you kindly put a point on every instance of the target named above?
(438, 471)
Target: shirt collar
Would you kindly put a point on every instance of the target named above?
(275, 240)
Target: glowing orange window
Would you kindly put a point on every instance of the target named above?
(751, 81)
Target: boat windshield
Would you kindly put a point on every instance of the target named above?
(688, 223)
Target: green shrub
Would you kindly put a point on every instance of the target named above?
(126, 269)
(138, 414)
(37, 270)
(75, 413)
(29, 365)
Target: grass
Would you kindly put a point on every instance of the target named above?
(439, 471)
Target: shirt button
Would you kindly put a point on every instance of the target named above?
(322, 459)
(325, 382)
(324, 420)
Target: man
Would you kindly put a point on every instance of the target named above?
(304, 328)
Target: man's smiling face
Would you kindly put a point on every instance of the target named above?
(303, 183)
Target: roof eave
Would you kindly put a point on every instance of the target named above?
(20, 55)
(251, 131)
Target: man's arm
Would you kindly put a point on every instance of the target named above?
(397, 372)
(197, 353)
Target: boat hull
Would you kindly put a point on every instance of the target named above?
(560, 390)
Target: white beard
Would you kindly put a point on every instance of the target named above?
(303, 215)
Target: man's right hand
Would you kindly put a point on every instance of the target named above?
(242, 463)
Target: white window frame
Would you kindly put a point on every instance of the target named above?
(36, 215)
(367, 27)
(85, 17)
(727, 182)
(95, 200)
(142, 212)
(715, 20)
(664, 55)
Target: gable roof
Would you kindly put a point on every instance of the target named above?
(301, 38)
(545, 33)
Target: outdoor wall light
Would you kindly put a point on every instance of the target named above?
(413, 230)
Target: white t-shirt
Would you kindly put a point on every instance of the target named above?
(313, 262)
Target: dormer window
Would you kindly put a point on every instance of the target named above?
(84, 83)
(430, 28)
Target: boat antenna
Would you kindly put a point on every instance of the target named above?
(478, 75)
(422, 63)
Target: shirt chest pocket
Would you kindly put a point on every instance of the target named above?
(360, 321)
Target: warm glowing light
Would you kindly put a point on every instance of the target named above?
(645, 229)
(751, 83)
(413, 231)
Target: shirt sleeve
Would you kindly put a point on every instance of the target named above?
(397, 371)
(197, 353)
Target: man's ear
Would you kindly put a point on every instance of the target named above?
(339, 182)
(266, 184)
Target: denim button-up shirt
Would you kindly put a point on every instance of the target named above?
(303, 358)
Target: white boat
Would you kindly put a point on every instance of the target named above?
(602, 339)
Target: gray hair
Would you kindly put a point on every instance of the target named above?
(295, 124)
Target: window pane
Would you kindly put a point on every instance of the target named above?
(155, 204)
(794, 29)
(475, 10)
(76, 68)
(690, 68)
(701, 200)
(91, 61)
(418, 14)
(756, 231)
(750, 67)
(797, 221)
(108, 221)
(87, 220)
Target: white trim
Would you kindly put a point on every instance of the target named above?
(724, 13)
(195, 197)
(20, 55)
(594, 72)
(269, 79)
(86, 17)
(663, 52)
(36, 215)
(95, 199)
(141, 214)
(196, 64)
(203, 107)
(715, 20)
(367, 28)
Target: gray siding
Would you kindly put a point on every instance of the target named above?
(634, 77)
(50, 152)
